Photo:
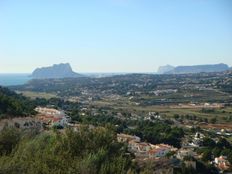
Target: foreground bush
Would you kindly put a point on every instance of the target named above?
(87, 152)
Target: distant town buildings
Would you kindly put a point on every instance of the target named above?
(143, 150)
(52, 117)
(49, 111)
(197, 140)
(222, 163)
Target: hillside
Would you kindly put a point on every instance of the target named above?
(12, 104)
(62, 70)
(193, 69)
(146, 89)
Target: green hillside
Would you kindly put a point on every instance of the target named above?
(12, 104)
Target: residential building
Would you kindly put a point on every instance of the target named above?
(222, 163)
(52, 117)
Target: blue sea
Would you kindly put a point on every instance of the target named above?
(14, 79)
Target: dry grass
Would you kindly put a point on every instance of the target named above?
(34, 95)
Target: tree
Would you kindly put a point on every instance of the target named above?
(223, 143)
(87, 151)
(213, 120)
(207, 155)
(216, 152)
(9, 138)
(229, 156)
(176, 116)
(208, 142)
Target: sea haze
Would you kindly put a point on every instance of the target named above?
(14, 79)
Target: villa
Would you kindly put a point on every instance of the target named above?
(52, 117)
(222, 163)
(144, 150)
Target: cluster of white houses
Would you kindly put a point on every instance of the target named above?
(52, 117)
(149, 151)
(143, 150)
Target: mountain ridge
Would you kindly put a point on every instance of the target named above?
(62, 70)
(194, 68)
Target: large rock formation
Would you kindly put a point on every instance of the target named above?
(62, 70)
(196, 69)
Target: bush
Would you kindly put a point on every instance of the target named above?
(87, 151)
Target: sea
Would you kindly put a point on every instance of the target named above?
(20, 79)
(14, 79)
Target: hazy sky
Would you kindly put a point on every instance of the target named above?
(114, 35)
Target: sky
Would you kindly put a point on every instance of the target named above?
(114, 35)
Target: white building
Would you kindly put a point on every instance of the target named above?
(49, 111)
(52, 116)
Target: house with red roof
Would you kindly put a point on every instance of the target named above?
(52, 117)
(222, 163)
(144, 150)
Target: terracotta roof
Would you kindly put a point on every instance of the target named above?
(153, 151)
(144, 144)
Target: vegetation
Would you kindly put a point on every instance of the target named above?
(12, 104)
(214, 149)
(34, 95)
(152, 132)
(157, 108)
(146, 89)
(156, 133)
(84, 152)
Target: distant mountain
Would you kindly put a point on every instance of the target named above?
(198, 69)
(62, 70)
(166, 68)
